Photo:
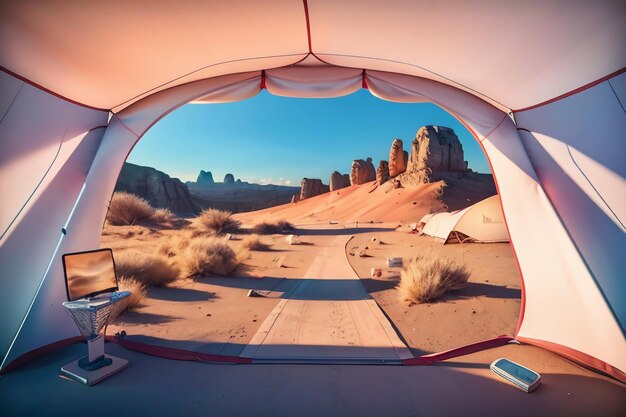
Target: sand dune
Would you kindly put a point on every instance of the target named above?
(372, 203)
(362, 203)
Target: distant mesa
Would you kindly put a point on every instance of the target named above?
(310, 187)
(205, 177)
(158, 188)
(229, 179)
(339, 181)
(236, 195)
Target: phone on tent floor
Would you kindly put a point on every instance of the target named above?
(519, 375)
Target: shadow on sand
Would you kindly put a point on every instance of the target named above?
(476, 289)
(342, 232)
(179, 294)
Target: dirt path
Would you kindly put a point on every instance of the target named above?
(328, 317)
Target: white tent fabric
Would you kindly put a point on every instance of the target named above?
(556, 162)
(482, 222)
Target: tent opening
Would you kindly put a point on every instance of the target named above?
(324, 194)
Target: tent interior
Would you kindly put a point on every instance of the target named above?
(82, 83)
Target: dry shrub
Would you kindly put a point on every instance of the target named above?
(182, 240)
(167, 248)
(151, 270)
(134, 300)
(254, 242)
(176, 244)
(218, 222)
(209, 256)
(427, 279)
(273, 227)
(126, 209)
(163, 216)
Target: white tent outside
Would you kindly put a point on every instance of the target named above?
(541, 85)
(480, 222)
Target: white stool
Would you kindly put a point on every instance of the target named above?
(91, 315)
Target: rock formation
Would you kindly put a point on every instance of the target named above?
(434, 151)
(362, 171)
(382, 173)
(158, 188)
(311, 187)
(371, 170)
(229, 179)
(397, 161)
(338, 181)
(295, 198)
(437, 148)
(205, 177)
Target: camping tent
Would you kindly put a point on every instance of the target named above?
(480, 222)
(540, 85)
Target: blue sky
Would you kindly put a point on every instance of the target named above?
(279, 140)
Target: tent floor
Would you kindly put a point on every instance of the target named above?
(461, 386)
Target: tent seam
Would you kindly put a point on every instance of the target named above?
(616, 96)
(12, 102)
(569, 151)
(574, 91)
(47, 90)
(495, 128)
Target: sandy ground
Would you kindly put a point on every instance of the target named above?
(211, 314)
(363, 203)
(214, 315)
(488, 307)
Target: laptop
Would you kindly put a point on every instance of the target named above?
(90, 275)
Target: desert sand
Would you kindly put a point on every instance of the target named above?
(488, 307)
(214, 314)
(358, 203)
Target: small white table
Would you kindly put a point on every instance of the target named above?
(90, 316)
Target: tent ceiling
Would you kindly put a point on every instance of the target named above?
(514, 53)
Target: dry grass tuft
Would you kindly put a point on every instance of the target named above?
(218, 222)
(208, 257)
(126, 209)
(427, 279)
(254, 242)
(163, 216)
(273, 227)
(168, 248)
(151, 270)
(134, 300)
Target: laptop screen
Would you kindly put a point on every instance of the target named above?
(89, 273)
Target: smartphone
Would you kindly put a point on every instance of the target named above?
(519, 375)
